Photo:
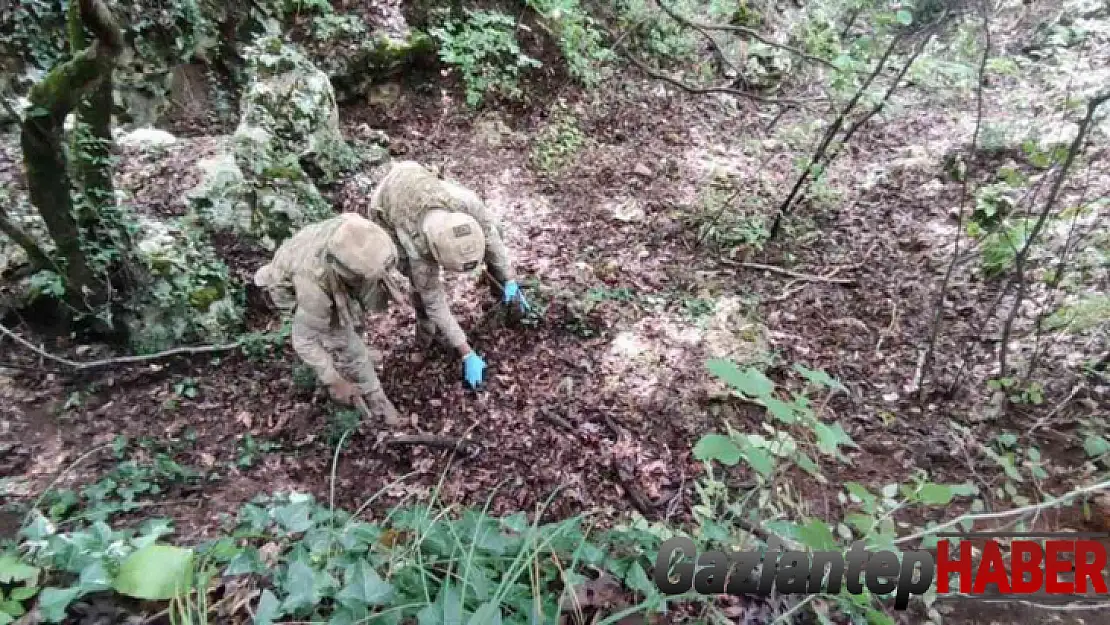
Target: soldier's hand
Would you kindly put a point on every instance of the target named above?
(344, 392)
(512, 291)
(472, 369)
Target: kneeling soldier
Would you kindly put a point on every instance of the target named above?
(439, 225)
(331, 273)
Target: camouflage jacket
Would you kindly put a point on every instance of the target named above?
(400, 203)
(301, 282)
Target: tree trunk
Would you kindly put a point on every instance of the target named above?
(44, 157)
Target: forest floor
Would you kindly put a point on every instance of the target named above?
(603, 400)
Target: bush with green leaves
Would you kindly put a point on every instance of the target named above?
(558, 142)
(484, 48)
(796, 436)
(578, 36)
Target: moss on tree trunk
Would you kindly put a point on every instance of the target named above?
(44, 157)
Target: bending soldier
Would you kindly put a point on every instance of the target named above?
(439, 225)
(331, 273)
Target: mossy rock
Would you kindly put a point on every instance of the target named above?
(289, 108)
(187, 295)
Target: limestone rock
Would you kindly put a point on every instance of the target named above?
(293, 101)
(144, 138)
(189, 295)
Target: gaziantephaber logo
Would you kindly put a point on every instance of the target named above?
(1052, 568)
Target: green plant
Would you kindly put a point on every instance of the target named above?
(484, 49)
(258, 346)
(249, 450)
(340, 422)
(558, 142)
(186, 387)
(578, 37)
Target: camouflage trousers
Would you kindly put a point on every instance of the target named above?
(351, 358)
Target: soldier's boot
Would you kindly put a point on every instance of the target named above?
(381, 407)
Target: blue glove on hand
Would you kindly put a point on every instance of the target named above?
(472, 369)
(512, 290)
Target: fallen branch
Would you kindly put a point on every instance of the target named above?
(717, 51)
(122, 360)
(1051, 503)
(658, 75)
(787, 272)
(470, 448)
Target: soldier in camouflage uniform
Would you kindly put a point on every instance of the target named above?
(440, 225)
(329, 274)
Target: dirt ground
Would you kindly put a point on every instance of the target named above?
(609, 418)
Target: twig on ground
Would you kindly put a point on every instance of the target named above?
(122, 360)
(471, 448)
(1003, 514)
(787, 272)
(890, 328)
(549, 415)
(658, 75)
(1052, 413)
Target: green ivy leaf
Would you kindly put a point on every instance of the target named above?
(636, 579)
(54, 601)
(365, 586)
(759, 460)
(750, 381)
(780, 410)
(155, 573)
(488, 613)
(23, 593)
(12, 570)
(6, 618)
(269, 608)
(819, 377)
(1096, 446)
(717, 447)
(294, 518)
(300, 587)
(831, 437)
(904, 17)
(935, 495)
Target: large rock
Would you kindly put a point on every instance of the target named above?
(262, 186)
(188, 295)
(293, 102)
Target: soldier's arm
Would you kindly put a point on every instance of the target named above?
(427, 282)
(497, 255)
(311, 321)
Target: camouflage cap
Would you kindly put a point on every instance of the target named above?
(456, 240)
(361, 247)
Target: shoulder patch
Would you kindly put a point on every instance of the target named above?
(461, 231)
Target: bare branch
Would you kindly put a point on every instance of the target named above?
(833, 128)
(123, 360)
(786, 272)
(1049, 205)
(702, 26)
(658, 75)
(938, 312)
(717, 50)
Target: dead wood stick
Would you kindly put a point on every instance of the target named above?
(122, 360)
(788, 272)
(434, 440)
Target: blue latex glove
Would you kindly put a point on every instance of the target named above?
(512, 290)
(472, 369)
